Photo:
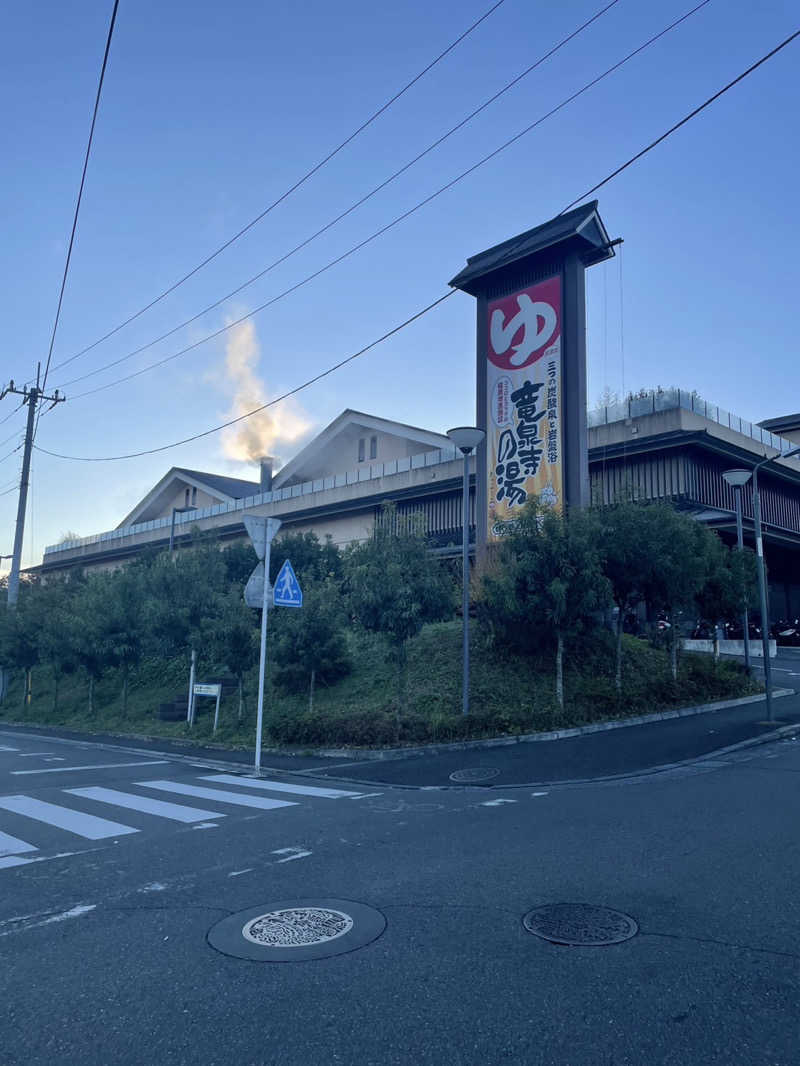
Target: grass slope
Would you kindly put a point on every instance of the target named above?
(509, 696)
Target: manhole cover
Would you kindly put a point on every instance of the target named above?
(580, 924)
(297, 930)
(296, 927)
(475, 773)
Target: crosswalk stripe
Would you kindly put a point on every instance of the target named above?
(95, 766)
(12, 860)
(84, 825)
(13, 846)
(175, 811)
(240, 799)
(278, 786)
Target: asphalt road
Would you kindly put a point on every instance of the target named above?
(105, 957)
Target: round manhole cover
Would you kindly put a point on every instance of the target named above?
(296, 927)
(474, 774)
(297, 930)
(580, 924)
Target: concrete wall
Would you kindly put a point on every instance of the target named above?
(202, 499)
(343, 453)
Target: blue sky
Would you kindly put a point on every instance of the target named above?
(211, 111)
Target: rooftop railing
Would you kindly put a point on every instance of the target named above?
(370, 472)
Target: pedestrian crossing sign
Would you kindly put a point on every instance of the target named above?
(286, 591)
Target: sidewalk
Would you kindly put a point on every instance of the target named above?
(630, 750)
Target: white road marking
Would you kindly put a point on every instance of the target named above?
(12, 846)
(277, 786)
(73, 912)
(4, 747)
(540, 793)
(292, 854)
(96, 766)
(206, 825)
(28, 754)
(175, 811)
(261, 802)
(238, 873)
(365, 795)
(13, 861)
(84, 825)
(154, 886)
(496, 803)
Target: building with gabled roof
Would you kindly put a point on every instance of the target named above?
(664, 445)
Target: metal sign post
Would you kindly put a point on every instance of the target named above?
(261, 531)
(210, 690)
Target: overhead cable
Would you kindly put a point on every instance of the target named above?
(348, 211)
(396, 221)
(285, 195)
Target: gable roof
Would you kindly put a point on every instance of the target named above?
(347, 418)
(581, 229)
(226, 489)
(234, 488)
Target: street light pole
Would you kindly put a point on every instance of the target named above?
(740, 546)
(762, 590)
(466, 439)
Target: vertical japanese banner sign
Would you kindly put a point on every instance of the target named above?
(523, 389)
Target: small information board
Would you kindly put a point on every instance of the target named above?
(210, 690)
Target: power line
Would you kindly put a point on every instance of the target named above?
(11, 413)
(684, 120)
(358, 203)
(263, 407)
(80, 193)
(301, 181)
(396, 221)
(408, 321)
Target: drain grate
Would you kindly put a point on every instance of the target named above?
(297, 927)
(474, 774)
(580, 924)
(297, 930)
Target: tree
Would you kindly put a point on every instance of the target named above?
(230, 635)
(19, 636)
(626, 537)
(680, 551)
(729, 585)
(123, 635)
(57, 634)
(90, 610)
(311, 560)
(309, 643)
(546, 585)
(395, 586)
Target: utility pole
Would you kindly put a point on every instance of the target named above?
(32, 397)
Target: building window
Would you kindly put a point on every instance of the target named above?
(373, 447)
(361, 450)
(194, 497)
(186, 498)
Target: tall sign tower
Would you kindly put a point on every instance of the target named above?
(531, 366)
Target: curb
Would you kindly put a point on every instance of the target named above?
(371, 754)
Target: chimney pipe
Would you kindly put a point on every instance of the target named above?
(266, 473)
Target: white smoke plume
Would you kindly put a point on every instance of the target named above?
(266, 432)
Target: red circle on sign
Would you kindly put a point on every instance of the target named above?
(522, 326)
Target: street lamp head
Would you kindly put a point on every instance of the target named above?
(737, 477)
(466, 438)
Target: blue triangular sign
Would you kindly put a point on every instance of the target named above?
(286, 591)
